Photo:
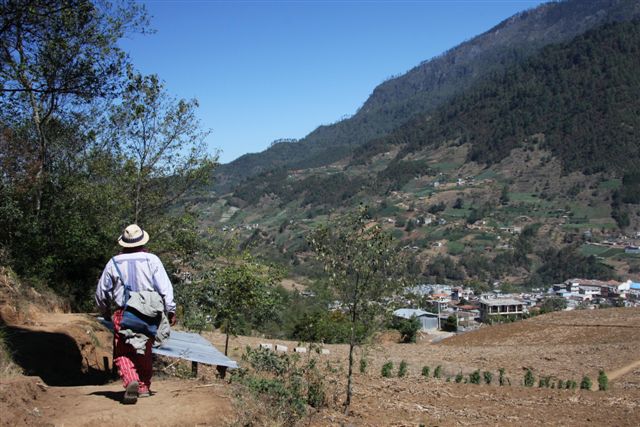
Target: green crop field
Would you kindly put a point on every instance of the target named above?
(611, 184)
(593, 250)
(445, 166)
(455, 248)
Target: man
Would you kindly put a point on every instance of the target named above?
(141, 271)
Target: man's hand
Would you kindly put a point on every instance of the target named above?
(172, 319)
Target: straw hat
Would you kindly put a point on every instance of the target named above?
(133, 236)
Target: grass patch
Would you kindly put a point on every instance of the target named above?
(485, 237)
(445, 166)
(524, 197)
(588, 250)
(488, 174)
(610, 184)
(590, 225)
(457, 213)
(591, 212)
(455, 248)
(397, 233)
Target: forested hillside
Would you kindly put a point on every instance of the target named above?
(87, 144)
(548, 145)
(434, 83)
(582, 98)
(579, 100)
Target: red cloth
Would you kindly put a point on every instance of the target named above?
(131, 365)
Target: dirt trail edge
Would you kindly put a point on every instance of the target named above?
(175, 403)
(614, 375)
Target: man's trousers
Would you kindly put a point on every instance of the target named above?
(131, 365)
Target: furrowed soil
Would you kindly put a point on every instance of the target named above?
(563, 346)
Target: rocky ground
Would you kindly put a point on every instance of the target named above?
(66, 355)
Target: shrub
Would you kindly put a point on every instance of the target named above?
(488, 377)
(585, 384)
(437, 373)
(363, 365)
(386, 369)
(408, 328)
(560, 384)
(426, 371)
(529, 380)
(451, 324)
(402, 369)
(459, 377)
(283, 382)
(501, 379)
(603, 381)
(544, 382)
(474, 377)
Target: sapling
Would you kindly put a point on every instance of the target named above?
(386, 369)
(426, 371)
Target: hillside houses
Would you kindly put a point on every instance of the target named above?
(578, 290)
(444, 300)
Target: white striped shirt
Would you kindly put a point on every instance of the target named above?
(142, 271)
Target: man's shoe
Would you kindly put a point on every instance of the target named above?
(131, 393)
(146, 393)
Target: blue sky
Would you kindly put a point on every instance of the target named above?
(264, 70)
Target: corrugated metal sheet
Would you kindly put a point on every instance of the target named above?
(408, 313)
(193, 347)
(189, 346)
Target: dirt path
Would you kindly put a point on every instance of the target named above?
(614, 375)
(175, 403)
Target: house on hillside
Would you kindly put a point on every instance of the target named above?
(496, 308)
(428, 321)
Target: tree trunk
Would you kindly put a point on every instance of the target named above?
(350, 375)
(226, 340)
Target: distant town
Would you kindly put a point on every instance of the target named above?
(441, 303)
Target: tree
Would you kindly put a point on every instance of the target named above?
(451, 324)
(60, 207)
(238, 288)
(55, 58)
(162, 140)
(552, 304)
(408, 328)
(504, 195)
(603, 381)
(364, 272)
(585, 384)
(529, 380)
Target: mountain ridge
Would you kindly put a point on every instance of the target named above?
(432, 83)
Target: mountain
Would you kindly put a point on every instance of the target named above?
(433, 83)
(525, 177)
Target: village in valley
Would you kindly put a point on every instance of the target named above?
(459, 309)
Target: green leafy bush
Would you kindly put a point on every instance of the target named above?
(408, 328)
(437, 373)
(283, 382)
(603, 381)
(502, 380)
(474, 377)
(459, 377)
(488, 377)
(426, 371)
(386, 369)
(363, 365)
(529, 380)
(402, 369)
(585, 384)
